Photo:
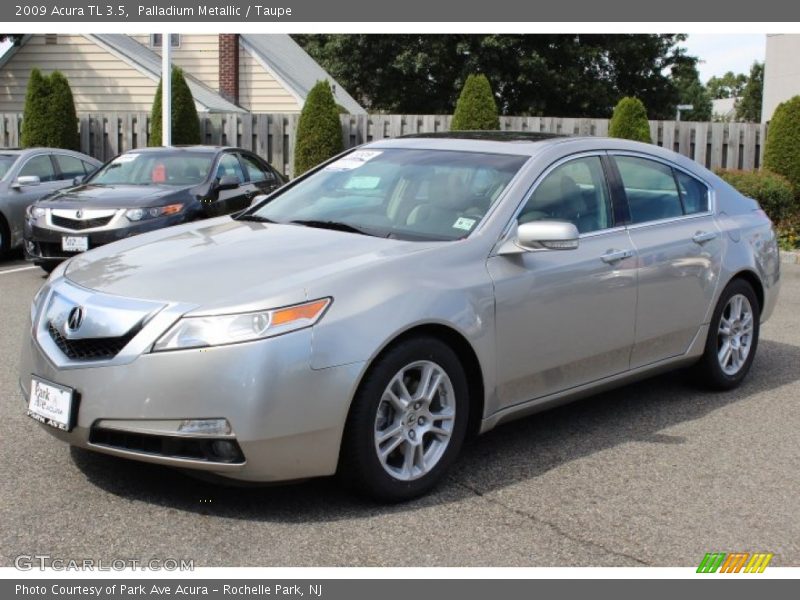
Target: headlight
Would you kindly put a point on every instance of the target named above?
(35, 212)
(137, 214)
(201, 332)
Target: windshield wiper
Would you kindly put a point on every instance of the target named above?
(254, 218)
(335, 225)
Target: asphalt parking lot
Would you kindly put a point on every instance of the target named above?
(654, 474)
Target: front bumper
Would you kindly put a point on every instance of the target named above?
(286, 417)
(43, 244)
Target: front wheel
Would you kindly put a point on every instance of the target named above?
(732, 338)
(407, 422)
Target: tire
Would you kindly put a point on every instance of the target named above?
(423, 436)
(720, 369)
(48, 267)
(5, 238)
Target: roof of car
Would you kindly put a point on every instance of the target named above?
(182, 148)
(490, 136)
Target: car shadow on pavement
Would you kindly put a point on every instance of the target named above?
(515, 452)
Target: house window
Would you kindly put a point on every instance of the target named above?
(50, 38)
(174, 40)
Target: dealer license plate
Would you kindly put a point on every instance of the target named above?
(51, 404)
(74, 243)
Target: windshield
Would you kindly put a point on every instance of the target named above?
(6, 162)
(145, 168)
(399, 193)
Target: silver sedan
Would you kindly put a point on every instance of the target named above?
(370, 316)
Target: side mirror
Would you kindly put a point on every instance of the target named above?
(25, 181)
(541, 235)
(257, 198)
(78, 180)
(228, 182)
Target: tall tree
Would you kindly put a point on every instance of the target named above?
(555, 74)
(727, 86)
(748, 108)
(692, 91)
(185, 122)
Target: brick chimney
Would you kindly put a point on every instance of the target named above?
(229, 66)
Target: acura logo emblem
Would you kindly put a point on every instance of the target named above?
(78, 214)
(75, 318)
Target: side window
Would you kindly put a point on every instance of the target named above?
(650, 188)
(70, 166)
(255, 170)
(694, 194)
(575, 191)
(229, 165)
(40, 166)
(89, 167)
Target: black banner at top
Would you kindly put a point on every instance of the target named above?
(441, 11)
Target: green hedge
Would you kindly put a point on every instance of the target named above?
(629, 121)
(476, 109)
(782, 150)
(775, 195)
(49, 118)
(319, 129)
(185, 122)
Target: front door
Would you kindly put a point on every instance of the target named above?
(565, 317)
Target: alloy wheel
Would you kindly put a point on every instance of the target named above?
(735, 334)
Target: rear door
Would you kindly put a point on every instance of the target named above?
(679, 249)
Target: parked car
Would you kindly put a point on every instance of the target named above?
(143, 190)
(28, 175)
(381, 308)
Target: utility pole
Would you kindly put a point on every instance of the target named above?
(166, 89)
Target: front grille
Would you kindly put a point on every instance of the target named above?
(80, 224)
(165, 446)
(91, 348)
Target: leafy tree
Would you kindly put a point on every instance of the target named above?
(570, 75)
(476, 108)
(691, 91)
(319, 129)
(748, 108)
(185, 122)
(782, 152)
(629, 121)
(63, 120)
(727, 86)
(35, 119)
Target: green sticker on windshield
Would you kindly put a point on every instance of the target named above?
(464, 223)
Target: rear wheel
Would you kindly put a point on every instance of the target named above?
(408, 421)
(732, 338)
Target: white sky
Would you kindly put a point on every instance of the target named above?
(718, 52)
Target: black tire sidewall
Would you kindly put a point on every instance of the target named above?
(712, 372)
(359, 464)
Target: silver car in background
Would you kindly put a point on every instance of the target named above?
(368, 317)
(31, 174)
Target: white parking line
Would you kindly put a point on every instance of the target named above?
(18, 270)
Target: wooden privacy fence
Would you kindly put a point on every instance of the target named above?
(103, 135)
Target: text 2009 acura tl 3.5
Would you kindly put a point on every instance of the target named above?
(368, 317)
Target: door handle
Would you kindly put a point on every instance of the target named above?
(613, 256)
(701, 237)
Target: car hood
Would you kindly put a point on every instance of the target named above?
(111, 196)
(230, 265)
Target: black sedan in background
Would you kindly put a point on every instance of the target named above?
(143, 190)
